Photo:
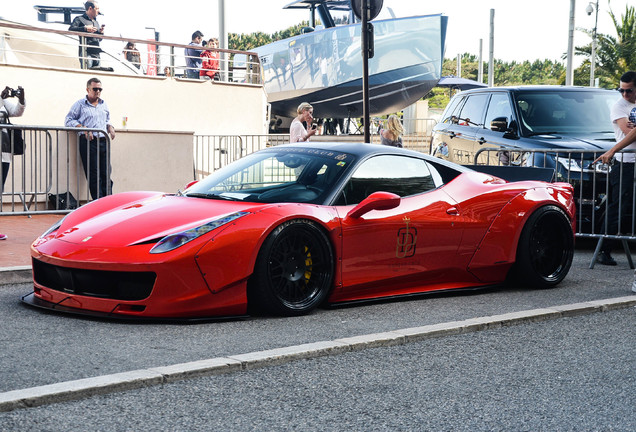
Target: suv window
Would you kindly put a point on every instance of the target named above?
(451, 109)
(499, 107)
(401, 175)
(472, 112)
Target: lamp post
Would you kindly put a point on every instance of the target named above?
(591, 7)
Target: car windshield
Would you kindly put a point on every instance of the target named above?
(281, 174)
(565, 112)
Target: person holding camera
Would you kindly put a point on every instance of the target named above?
(9, 108)
(89, 46)
(297, 131)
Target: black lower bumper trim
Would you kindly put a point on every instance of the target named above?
(32, 300)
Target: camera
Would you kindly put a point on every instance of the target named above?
(14, 92)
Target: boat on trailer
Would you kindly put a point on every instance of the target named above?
(324, 65)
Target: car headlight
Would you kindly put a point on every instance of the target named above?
(173, 241)
(570, 164)
(53, 228)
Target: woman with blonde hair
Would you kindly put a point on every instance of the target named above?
(392, 135)
(297, 131)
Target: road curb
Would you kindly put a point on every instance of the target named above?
(83, 388)
(15, 275)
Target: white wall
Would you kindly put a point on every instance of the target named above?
(150, 103)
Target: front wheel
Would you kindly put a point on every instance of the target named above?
(546, 248)
(294, 270)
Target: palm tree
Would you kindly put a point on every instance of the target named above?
(614, 54)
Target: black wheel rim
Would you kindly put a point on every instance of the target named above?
(550, 247)
(299, 268)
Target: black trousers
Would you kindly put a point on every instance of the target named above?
(621, 184)
(96, 160)
(5, 173)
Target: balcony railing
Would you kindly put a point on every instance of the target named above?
(30, 46)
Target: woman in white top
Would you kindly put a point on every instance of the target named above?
(297, 131)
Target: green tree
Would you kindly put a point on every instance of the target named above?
(614, 54)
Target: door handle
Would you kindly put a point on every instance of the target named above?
(452, 211)
(481, 141)
(452, 134)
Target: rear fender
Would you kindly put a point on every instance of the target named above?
(498, 249)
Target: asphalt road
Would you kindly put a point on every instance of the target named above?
(570, 374)
(43, 348)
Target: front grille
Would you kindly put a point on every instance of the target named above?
(95, 283)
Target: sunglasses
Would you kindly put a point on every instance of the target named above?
(96, 89)
(622, 90)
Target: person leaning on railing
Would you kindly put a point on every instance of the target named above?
(623, 116)
(92, 112)
(193, 55)
(89, 49)
(9, 108)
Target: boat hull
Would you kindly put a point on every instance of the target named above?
(324, 67)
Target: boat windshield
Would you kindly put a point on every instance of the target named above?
(565, 112)
(283, 174)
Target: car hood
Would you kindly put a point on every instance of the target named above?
(143, 220)
(599, 141)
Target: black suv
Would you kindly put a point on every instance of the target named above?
(499, 125)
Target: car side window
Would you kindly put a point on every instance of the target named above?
(401, 175)
(498, 108)
(451, 110)
(472, 112)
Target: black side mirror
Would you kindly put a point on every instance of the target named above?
(499, 124)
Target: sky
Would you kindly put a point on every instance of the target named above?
(527, 30)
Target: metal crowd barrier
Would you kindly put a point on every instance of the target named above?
(49, 176)
(212, 152)
(592, 188)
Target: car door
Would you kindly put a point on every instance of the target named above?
(412, 245)
(445, 129)
(462, 145)
(495, 133)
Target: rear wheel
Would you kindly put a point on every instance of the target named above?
(546, 248)
(294, 270)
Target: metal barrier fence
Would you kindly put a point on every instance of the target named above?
(49, 176)
(212, 152)
(605, 195)
(59, 49)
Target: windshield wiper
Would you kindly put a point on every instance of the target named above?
(210, 196)
(543, 133)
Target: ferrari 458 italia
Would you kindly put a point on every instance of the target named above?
(286, 229)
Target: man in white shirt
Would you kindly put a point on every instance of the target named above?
(623, 116)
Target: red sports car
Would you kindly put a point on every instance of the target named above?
(289, 228)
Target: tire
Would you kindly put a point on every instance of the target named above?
(546, 249)
(294, 270)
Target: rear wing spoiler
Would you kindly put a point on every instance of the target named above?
(513, 173)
